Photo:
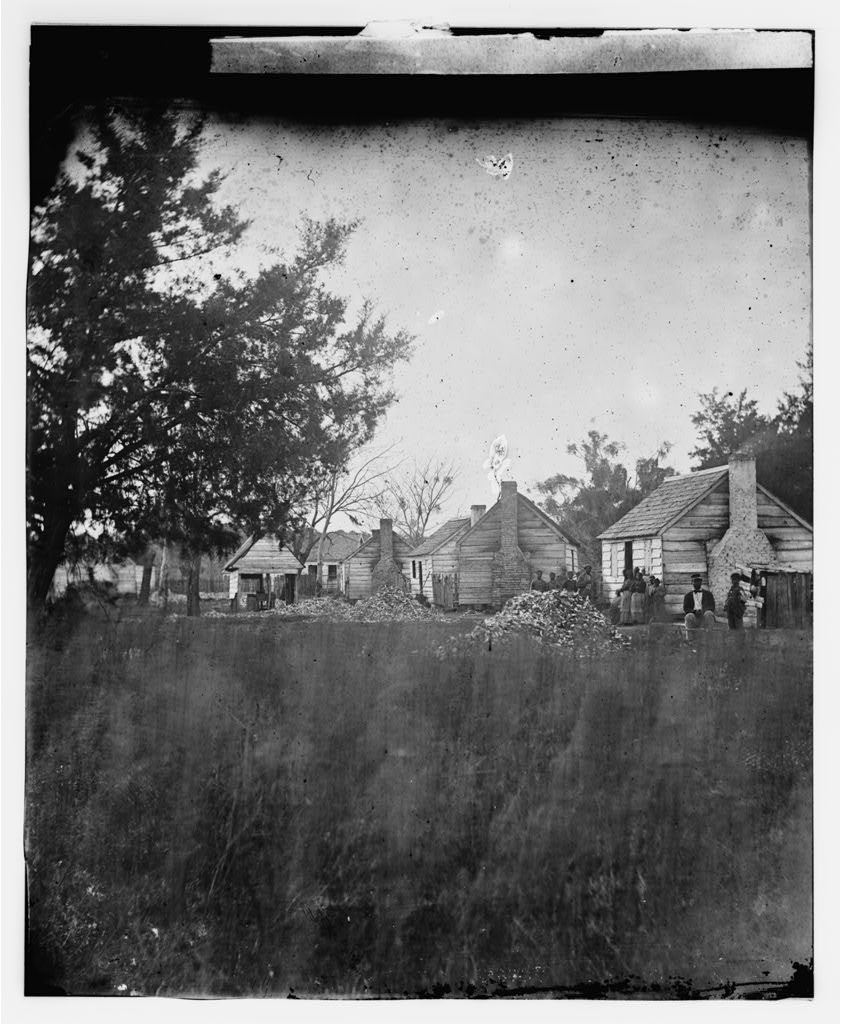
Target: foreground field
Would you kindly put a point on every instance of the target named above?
(244, 807)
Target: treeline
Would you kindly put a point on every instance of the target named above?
(783, 444)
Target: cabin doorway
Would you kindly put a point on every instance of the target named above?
(289, 587)
(629, 557)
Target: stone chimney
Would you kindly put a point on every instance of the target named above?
(508, 502)
(510, 571)
(386, 570)
(744, 545)
(476, 513)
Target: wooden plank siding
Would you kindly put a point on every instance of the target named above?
(541, 542)
(360, 565)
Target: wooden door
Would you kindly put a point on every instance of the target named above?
(788, 600)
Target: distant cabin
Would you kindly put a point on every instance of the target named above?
(338, 545)
(262, 569)
(435, 561)
(124, 577)
(499, 555)
(383, 558)
(712, 522)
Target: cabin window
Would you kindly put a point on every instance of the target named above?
(250, 583)
(420, 575)
(312, 569)
(414, 570)
(332, 572)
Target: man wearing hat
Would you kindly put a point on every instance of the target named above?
(699, 607)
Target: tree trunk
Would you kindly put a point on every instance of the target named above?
(44, 559)
(146, 582)
(193, 599)
(163, 577)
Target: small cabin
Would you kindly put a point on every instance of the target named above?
(499, 555)
(711, 522)
(262, 573)
(338, 545)
(382, 559)
(435, 562)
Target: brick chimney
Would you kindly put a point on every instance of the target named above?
(476, 513)
(742, 476)
(386, 540)
(510, 568)
(386, 570)
(508, 502)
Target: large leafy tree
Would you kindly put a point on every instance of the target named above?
(166, 397)
(782, 443)
(586, 505)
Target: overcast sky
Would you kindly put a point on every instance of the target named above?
(621, 269)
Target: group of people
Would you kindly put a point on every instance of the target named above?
(699, 604)
(582, 584)
(641, 599)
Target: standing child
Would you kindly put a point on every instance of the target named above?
(735, 603)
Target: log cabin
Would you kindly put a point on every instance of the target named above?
(380, 560)
(435, 560)
(712, 522)
(262, 572)
(499, 555)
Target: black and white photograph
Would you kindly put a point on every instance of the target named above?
(420, 470)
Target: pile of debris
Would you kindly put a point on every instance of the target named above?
(390, 604)
(557, 618)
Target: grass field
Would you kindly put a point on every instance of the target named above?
(225, 806)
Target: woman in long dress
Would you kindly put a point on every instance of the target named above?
(625, 618)
(638, 598)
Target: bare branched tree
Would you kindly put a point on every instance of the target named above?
(413, 498)
(351, 489)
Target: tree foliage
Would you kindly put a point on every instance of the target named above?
(782, 443)
(588, 504)
(168, 398)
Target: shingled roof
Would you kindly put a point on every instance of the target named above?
(441, 536)
(674, 496)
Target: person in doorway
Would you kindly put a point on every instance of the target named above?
(539, 583)
(735, 603)
(699, 606)
(638, 589)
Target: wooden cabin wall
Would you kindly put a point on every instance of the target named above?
(359, 568)
(233, 584)
(263, 557)
(791, 540)
(647, 555)
(541, 545)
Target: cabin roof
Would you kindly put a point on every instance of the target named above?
(338, 545)
(676, 495)
(440, 537)
(375, 539)
(548, 520)
(241, 552)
